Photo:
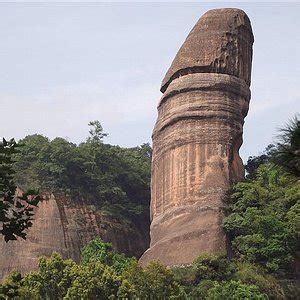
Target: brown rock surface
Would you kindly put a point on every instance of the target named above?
(197, 137)
(65, 228)
(220, 42)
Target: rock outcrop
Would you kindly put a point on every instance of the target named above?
(197, 137)
(65, 225)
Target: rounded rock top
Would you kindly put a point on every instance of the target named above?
(220, 42)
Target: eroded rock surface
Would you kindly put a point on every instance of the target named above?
(197, 137)
(63, 225)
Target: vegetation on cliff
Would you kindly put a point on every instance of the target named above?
(116, 180)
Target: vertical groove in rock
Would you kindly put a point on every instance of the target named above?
(65, 225)
(197, 137)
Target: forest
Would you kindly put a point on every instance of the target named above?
(262, 223)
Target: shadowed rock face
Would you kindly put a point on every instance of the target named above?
(197, 137)
(64, 225)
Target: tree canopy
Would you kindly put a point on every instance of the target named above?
(287, 152)
(116, 180)
(99, 277)
(263, 220)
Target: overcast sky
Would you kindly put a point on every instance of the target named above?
(64, 64)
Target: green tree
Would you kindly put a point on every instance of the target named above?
(115, 180)
(234, 290)
(213, 267)
(15, 211)
(254, 162)
(155, 281)
(64, 279)
(93, 281)
(53, 277)
(10, 286)
(287, 152)
(251, 274)
(259, 221)
(96, 132)
(97, 250)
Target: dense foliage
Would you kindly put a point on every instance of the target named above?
(116, 180)
(100, 277)
(287, 151)
(16, 211)
(98, 251)
(263, 223)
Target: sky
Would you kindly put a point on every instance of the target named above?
(65, 64)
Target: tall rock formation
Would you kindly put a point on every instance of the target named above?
(197, 137)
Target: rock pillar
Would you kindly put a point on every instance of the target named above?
(197, 137)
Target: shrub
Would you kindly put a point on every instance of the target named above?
(253, 275)
(213, 267)
(262, 220)
(234, 290)
(97, 250)
(153, 282)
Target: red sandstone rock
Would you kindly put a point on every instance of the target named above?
(65, 227)
(220, 42)
(197, 137)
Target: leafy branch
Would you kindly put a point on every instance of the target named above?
(16, 211)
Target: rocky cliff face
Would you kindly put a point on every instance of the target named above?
(64, 225)
(197, 137)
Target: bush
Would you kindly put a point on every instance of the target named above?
(253, 275)
(186, 276)
(63, 279)
(234, 290)
(201, 291)
(97, 250)
(153, 282)
(93, 281)
(53, 277)
(213, 267)
(262, 220)
(10, 285)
